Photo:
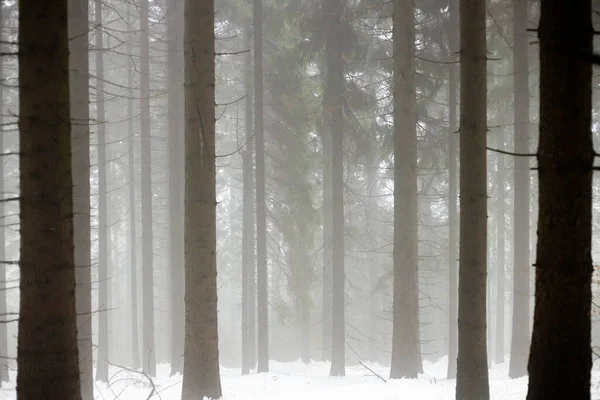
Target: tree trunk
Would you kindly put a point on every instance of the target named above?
(4, 377)
(201, 362)
(148, 351)
(560, 361)
(405, 340)
(373, 223)
(500, 261)
(327, 247)
(47, 344)
(80, 142)
(333, 104)
(261, 207)
(103, 343)
(132, 245)
(472, 369)
(176, 167)
(519, 350)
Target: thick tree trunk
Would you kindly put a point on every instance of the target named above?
(47, 344)
(519, 349)
(406, 340)
(453, 139)
(176, 168)
(501, 260)
(333, 104)
(135, 341)
(103, 342)
(261, 206)
(148, 351)
(80, 142)
(560, 361)
(201, 362)
(472, 369)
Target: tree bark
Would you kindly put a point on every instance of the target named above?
(472, 369)
(201, 349)
(4, 376)
(148, 351)
(501, 259)
(176, 168)
(406, 340)
(103, 342)
(519, 349)
(327, 247)
(560, 360)
(47, 352)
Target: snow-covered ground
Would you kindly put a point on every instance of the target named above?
(297, 381)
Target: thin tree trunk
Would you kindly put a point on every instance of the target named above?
(519, 350)
(261, 207)
(373, 222)
(80, 142)
(201, 362)
(47, 344)
(500, 261)
(175, 71)
(405, 340)
(560, 361)
(4, 377)
(327, 247)
(453, 139)
(472, 369)
(333, 98)
(132, 245)
(103, 343)
(148, 351)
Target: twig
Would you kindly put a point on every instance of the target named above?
(141, 372)
(373, 372)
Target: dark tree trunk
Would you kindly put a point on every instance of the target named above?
(561, 359)
(519, 349)
(148, 351)
(501, 260)
(453, 139)
(405, 341)
(261, 206)
(4, 377)
(80, 142)
(135, 341)
(334, 118)
(176, 168)
(472, 368)
(103, 343)
(201, 362)
(47, 344)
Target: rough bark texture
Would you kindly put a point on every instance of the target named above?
(148, 352)
(47, 344)
(560, 361)
(501, 259)
(176, 168)
(80, 142)
(261, 207)
(103, 298)
(133, 272)
(519, 349)
(472, 368)
(405, 340)
(334, 118)
(453, 139)
(3, 328)
(201, 363)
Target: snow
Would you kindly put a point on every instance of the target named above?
(298, 381)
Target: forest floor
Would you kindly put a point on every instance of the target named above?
(297, 381)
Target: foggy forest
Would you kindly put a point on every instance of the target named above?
(299, 199)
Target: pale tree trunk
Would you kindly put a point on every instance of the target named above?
(80, 144)
(560, 361)
(501, 259)
(261, 207)
(472, 369)
(148, 351)
(405, 340)
(327, 247)
(519, 349)
(176, 167)
(453, 139)
(333, 105)
(47, 352)
(3, 309)
(132, 238)
(373, 223)
(201, 349)
(103, 342)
